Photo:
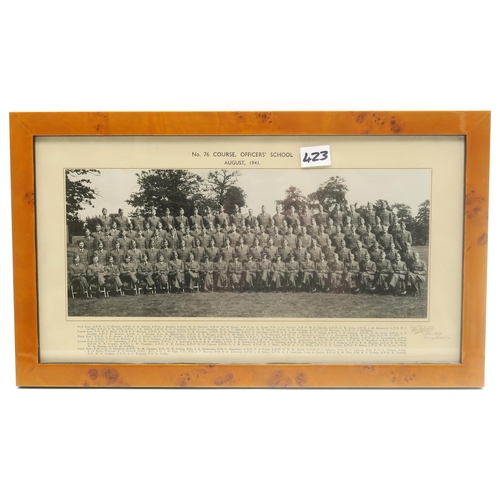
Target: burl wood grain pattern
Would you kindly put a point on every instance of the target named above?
(474, 125)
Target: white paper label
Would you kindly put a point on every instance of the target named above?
(315, 156)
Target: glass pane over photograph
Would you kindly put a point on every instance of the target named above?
(207, 249)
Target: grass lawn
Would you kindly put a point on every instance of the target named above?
(257, 305)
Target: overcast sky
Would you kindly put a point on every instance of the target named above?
(264, 186)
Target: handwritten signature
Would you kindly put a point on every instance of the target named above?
(427, 332)
(422, 329)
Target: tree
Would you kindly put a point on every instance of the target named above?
(332, 191)
(421, 223)
(295, 198)
(219, 182)
(171, 189)
(79, 192)
(234, 196)
(404, 214)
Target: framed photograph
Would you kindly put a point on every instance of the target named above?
(246, 249)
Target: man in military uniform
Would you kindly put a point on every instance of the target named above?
(292, 272)
(385, 239)
(278, 217)
(160, 274)
(96, 273)
(278, 270)
(121, 220)
(112, 274)
(351, 274)
(384, 272)
(417, 274)
(192, 270)
(368, 272)
(78, 276)
(337, 273)
(106, 220)
(168, 219)
(181, 219)
(307, 269)
(196, 218)
(250, 268)
(322, 273)
(264, 218)
(206, 274)
(176, 272)
(235, 270)
(399, 276)
(264, 270)
(128, 272)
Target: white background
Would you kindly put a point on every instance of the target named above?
(106, 56)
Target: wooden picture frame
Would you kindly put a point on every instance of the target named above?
(473, 126)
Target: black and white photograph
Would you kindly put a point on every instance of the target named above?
(248, 243)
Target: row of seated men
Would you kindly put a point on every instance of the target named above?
(207, 275)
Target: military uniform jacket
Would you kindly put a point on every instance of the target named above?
(264, 219)
(235, 268)
(384, 266)
(300, 254)
(369, 267)
(228, 253)
(337, 239)
(251, 266)
(278, 219)
(359, 254)
(212, 252)
(192, 265)
(176, 266)
(279, 267)
(344, 254)
(196, 219)
(96, 269)
(385, 240)
(161, 268)
(399, 268)
(168, 220)
(121, 222)
(138, 223)
(307, 266)
(419, 268)
(315, 252)
(352, 267)
(207, 267)
(264, 265)
(128, 269)
(337, 267)
(181, 219)
(77, 270)
(322, 267)
(112, 270)
(293, 267)
(152, 254)
(106, 221)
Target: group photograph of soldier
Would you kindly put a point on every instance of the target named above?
(189, 253)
